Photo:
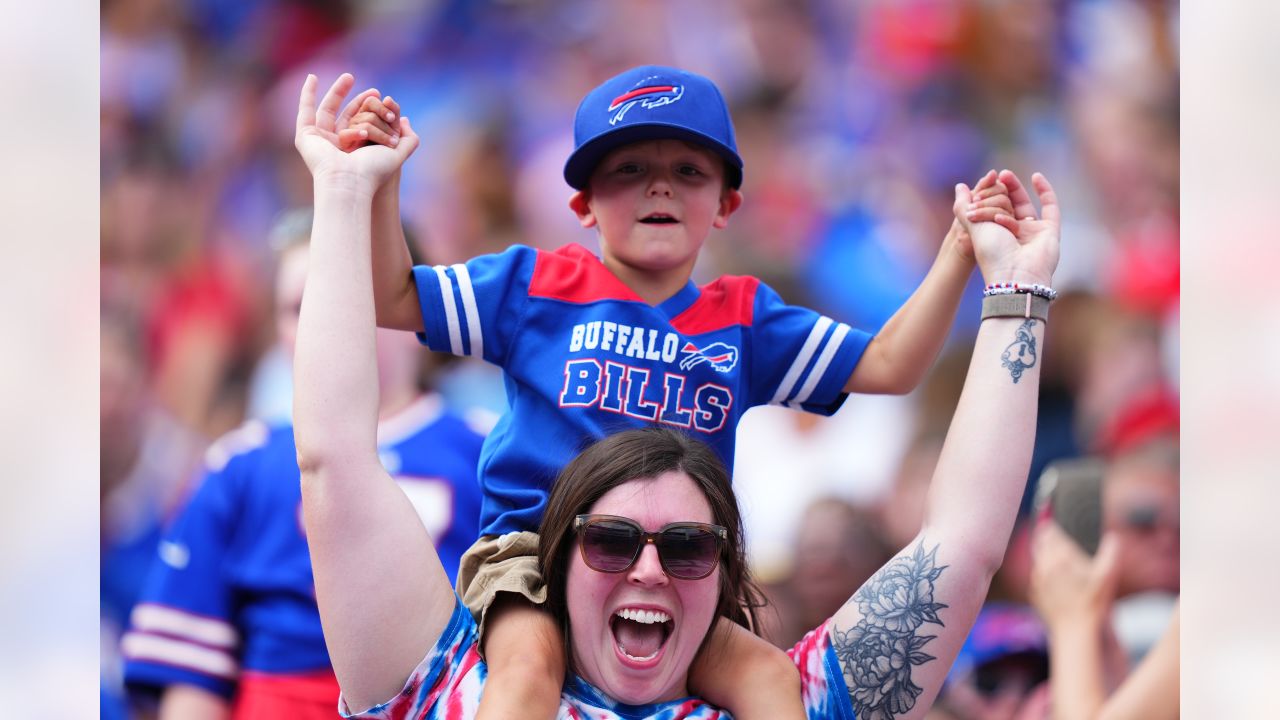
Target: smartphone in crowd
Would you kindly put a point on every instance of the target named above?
(1070, 492)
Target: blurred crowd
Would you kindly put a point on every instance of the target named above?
(855, 119)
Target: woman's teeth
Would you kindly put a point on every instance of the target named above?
(641, 634)
(647, 617)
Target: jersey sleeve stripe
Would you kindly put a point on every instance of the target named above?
(829, 351)
(143, 647)
(471, 309)
(149, 617)
(450, 310)
(810, 346)
(249, 436)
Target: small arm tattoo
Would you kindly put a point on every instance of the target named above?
(878, 653)
(1021, 353)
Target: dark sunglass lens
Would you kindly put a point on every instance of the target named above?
(609, 546)
(688, 552)
(1143, 519)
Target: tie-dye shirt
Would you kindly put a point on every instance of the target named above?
(448, 682)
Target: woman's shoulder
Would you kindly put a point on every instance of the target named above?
(822, 680)
(451, 674)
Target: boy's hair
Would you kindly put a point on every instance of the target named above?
(651, 102)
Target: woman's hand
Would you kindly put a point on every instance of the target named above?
(318, 141)
(1031, 255)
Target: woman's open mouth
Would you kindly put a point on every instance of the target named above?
(640, 635)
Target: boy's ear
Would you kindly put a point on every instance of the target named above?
(730, 201)
(580, 204)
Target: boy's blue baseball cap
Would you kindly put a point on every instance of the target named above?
(651, 102)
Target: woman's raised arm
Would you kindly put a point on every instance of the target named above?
(384, 598)
(897, 636)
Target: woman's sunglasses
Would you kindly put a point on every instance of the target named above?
(687, 550)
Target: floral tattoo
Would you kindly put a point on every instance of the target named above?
(1021, 353)
(877, 654)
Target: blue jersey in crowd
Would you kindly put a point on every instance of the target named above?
(232, 594)
(585, 357)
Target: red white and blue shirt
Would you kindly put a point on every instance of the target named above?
(232, 597)
(449, 681)
(585, 357)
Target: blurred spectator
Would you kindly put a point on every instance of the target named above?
(1140, 505)
(228, 625)
(1073, 593)
(1002, 668)
(902, 511)
(848, 456)
(1141, 510)
(146, 460)
(838, 546)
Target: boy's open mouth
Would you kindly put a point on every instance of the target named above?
(640, 634)
(658, 219)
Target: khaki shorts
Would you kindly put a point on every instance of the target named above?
(500, 563)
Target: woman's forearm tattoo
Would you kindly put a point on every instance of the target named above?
(878, 653)
(1021, 353)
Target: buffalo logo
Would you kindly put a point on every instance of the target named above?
(721, 357)
(646, 96)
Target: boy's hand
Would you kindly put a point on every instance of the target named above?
(318, 141)
(990, 203)
(1029, 255)
(369, 120)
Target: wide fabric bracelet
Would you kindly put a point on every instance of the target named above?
(1021, 305)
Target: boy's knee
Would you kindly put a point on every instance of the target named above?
(778, 669)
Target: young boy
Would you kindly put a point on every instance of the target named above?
(592, 346)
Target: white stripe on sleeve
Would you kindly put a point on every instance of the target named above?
(152, 618)
(450, 310)
(168, 651)
(471, 308)
(793, 373)
(824, 361)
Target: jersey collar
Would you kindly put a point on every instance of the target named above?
(681, 301)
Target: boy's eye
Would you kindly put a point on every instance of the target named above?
(690, 170)
(629, 168)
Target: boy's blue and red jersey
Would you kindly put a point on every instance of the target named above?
(586, 357)
(231, 598)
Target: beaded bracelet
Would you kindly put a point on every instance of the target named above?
(1043, 291)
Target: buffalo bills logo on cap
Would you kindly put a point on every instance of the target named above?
(720, 356)
(625, 109)
(650, 93)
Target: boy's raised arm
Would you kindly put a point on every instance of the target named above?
(384, 598)
(901, 353)
(897, 637)
(395, 295)
(373, 119)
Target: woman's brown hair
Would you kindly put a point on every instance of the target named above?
(633, 455)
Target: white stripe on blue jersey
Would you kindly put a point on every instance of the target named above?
(152, 618)
(470, 310)
(820, 369)
(139, 646)
(450, 310)
(788, 384)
